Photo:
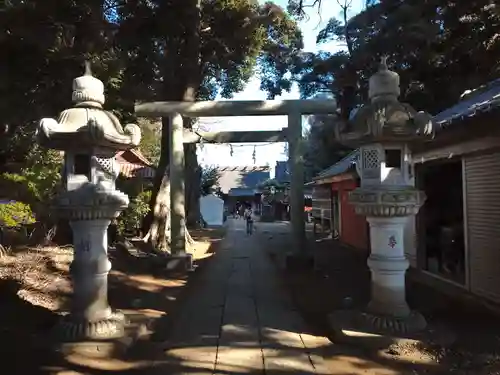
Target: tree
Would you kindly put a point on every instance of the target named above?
(44, 45)
(150, 141)
(37, 181)
(273, 191)
(298, 8)
(338, 73)
(154, 50)
(439, 48)
(208, 48)
(322, 149)
(209, 180)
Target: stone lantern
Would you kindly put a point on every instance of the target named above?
(89, 136)
(384, 131)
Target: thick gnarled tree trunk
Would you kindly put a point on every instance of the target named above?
(183, 85)
(158, 220)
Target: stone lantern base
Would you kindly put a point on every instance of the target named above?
(72, 329)
(351, 323)
(91, 317)
(376, 332)
(387, 212)
(90, 210)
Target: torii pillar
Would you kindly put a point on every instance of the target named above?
(296, 162)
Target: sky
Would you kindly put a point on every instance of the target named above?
(266, 154)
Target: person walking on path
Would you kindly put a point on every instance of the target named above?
(249, 219)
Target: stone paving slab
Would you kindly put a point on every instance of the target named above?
(287, 361)
(239, 320)
(234, 360)
(199, 360)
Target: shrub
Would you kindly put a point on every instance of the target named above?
(14, 214)
(36, 182)
(131, 218)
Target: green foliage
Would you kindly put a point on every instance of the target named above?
(14, 214)
(322, 149)
(271, 182)
(132, 186)
(273, 191)
(439, 48)
(209, 180)
(131, 218)
(233, 37)
(140, 50)
(36, 182)
(151, 140)
(280, 50)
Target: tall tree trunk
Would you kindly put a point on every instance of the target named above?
(192, 79)
(192, 68)
(156, 223)
(193, 180)
(183, 85)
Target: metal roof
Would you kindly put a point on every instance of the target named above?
(242, 192)
(483, 99)
(342, 166)
(282, 172)
(248, 168)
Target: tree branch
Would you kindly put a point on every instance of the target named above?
(345, 9)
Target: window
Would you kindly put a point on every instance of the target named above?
(393, 158)
(82, 164)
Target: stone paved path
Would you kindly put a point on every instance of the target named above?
(238, 319)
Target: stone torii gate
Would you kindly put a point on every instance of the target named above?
(294, 109)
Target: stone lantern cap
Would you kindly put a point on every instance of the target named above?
(385, 119)
(87, 125)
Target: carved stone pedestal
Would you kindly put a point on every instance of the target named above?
(379, 331)
(73, 329)
(90, 210)
(388, 266)
(94, 341)
(387, 211)
(91, 316)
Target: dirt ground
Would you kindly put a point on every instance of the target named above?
(465, 338)
(35, 287)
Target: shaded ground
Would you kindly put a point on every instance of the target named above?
(35, 285)
(193, 326)
(341, 280)
(237, 319)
